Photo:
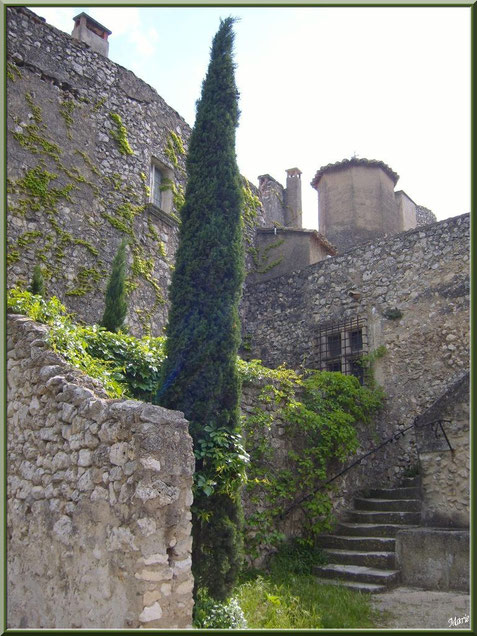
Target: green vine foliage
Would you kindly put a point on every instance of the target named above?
(319, 412)
(120, 135)
(174, 148)
(128, 367)
(54, 182)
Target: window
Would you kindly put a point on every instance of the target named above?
(341, 345)
(161, 186)
(334, 345)
(156, 180)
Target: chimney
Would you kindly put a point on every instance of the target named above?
(293, 209)
(91, 33)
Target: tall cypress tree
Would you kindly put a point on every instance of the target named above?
(115, 300)
(200, 376)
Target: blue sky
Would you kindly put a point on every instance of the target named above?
(319, 85)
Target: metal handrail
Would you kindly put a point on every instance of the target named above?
(435, 424)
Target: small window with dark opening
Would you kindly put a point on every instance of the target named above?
(356, 340)
(357, 370)
(334, 345)
(156, 180)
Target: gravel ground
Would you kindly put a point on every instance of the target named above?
(414, 608)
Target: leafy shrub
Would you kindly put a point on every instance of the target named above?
(211, 614)
(127, 366)
(319, 411)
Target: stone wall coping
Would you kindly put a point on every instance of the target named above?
(386, 241)
(349, 163)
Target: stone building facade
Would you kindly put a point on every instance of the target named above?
(94, 155)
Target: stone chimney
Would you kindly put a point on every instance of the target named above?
(293, 211)
(91, 33)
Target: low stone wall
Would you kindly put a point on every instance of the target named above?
(434, 558)
(99, 492)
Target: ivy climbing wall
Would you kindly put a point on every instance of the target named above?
(82, 132)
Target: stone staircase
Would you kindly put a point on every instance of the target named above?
(361, 553)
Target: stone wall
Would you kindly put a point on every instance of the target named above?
(411, 290)
(434, 558)
(445, 473)
(82, 135)
(98, 498)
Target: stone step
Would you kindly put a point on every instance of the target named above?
(371, 516)
(408, 482)
(359, 573)
(387, 505)
(366, 588)
(369, 529)
(411, 492)
(356, 557)
(363, 544)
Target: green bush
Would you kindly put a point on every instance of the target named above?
(320, 411)
(295, 556)
(211, 614)
(127, 366)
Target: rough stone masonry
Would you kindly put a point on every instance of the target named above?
(99, 495)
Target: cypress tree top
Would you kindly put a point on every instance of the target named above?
(203, 327)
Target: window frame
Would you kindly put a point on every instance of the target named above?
(353, 339)
(166, 194)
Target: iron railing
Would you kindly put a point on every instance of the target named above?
(436, 427)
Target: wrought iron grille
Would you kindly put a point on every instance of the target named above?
(340, 345)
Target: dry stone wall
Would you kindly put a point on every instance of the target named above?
(99, 495)
(424, 275)
(82, 134)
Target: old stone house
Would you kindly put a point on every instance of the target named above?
(95, 154)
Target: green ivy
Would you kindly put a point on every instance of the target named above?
(36, 110)
(66, 109)
(12, 71)
(127, 366)
(174, 148)
(120, 135)
(318, 411)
